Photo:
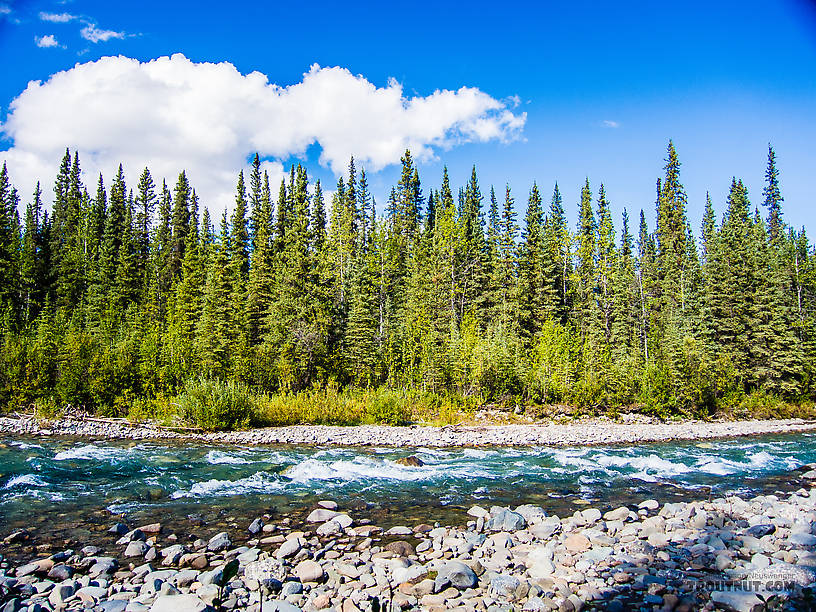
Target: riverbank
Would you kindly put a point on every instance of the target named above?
(581, 432)
(694, 555)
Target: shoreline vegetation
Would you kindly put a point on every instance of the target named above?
(579, 432)
(127, 302)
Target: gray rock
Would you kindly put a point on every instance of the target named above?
(504, 586)
(321, 515)
(92, 593)
(737, 601)
(503, 519)
(61, 572)
(61, 592)
(289, 548)
(219, 542)
(102, 565)
(802, 539)
(113, 605)
(178, 603)
(455, 574)
(136, 548)
(291, 588)
(279, 605)
(759, 531)
(256, 526)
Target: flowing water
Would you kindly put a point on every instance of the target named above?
(72, 487)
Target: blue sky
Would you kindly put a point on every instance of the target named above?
(604, 85)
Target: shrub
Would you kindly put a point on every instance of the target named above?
(214, 405)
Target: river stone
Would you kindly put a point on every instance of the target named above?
(802, 539)
(531, 513)
(591, 515)
(329, 528)
(399, 530)
(219, 542)
(411, 574)
(400, 548)
(178, 603)
(256, 526)
(61, 592)
(289, 548)
(478, 512)
(119, 529)
(309, 571)
(761, 530)
(291, 587)
(327, 504)
(618, 514)
(411, 461)
(649, 504)
(136, 548)
(321, 515)
(503, 519)
(60, 572)
(737, 601)
(112, 605)
(576, 543)
(279, 605)
(92, 593)
(455, 574)
(102, 565)
(504, 586)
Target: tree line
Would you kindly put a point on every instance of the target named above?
(125, 293)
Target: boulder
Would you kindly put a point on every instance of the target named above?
(309, 571)
(321, 515)
(179, 603)
(737, 601)
(219, 542)
(455, 574)
(411, 461)
(503, 519)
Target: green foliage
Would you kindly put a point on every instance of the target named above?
(296, 312)
(215, 405)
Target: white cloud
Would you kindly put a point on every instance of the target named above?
(611, 124)
(93, 34)
(172, 114)
(56, 17)
(47, 41)
(5, 10)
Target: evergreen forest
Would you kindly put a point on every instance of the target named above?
(130, 300)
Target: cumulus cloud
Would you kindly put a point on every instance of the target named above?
(172, 114)
(47, 41)
(56, 17)
(94, 34)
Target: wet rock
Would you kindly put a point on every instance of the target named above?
(256, 526)
(400, 548)
(60, 572)
(321, 515)
(119, 529)
(411, 461)
(327, 504)
(152, 528)
(219, 542)
(758, 531)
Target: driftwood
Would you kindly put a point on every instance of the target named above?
(77, 416)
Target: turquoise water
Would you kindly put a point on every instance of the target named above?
(66, 481)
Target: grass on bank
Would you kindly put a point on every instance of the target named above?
(221, 406)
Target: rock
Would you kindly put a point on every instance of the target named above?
(478, 512)
(321, 515)
(658, 540)
(102, 565)
(219, 542)
(591, 515)
(279, 605)
(649, 504)
(531, 513)
(119, 529)
(291, 587)
(309, 571)
(152, 528)
(178, 603)
(737, 601)
(61, 592)
(172, 554)
(758, 531)
(288, 549)
(60, 572)
(256, 526)
(113, 605)
(576, 543)
(400, 548)
(399, 530)
(802, 539)
(455, 574)
(618, 514)
(411, 574)
(411, 461)
(504, 586)
(327, 504)
(329, 528)
(92, 593)
(136, 548)
(503, 519)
